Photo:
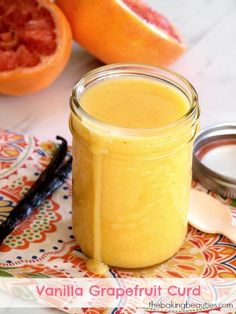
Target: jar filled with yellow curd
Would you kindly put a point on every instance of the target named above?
(133, 128)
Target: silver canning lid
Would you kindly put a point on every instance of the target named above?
(214, 159)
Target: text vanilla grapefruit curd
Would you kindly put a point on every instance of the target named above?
(133, 127)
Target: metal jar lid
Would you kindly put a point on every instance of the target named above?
(214, 159)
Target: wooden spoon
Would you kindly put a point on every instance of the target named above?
(207, 214)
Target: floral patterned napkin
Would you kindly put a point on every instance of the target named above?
(44, 245)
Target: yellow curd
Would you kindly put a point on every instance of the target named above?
(132, 150)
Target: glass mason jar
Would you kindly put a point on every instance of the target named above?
(131, 186)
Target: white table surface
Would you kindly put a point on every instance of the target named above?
(209, 27)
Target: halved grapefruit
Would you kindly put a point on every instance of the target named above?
(35, 45)
(123, 31)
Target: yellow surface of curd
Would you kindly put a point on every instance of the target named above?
(132, 150)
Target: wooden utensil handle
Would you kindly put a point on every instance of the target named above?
(230, 233)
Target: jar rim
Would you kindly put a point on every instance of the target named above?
(129, 69)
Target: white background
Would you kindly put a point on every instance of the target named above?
(209, 27)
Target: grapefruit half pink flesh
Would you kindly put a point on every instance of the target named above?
(27, 33)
